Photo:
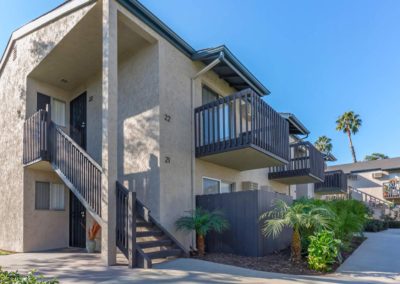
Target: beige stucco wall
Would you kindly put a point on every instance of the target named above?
(31, 49)
(366, 183)
(44, 229)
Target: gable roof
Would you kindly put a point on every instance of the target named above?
(365, 166)
(230, 69)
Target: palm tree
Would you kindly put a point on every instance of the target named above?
(202, 222)
(324, 144)
(349, 123)
(376, 156)
(297, 216)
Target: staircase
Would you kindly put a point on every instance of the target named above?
(378, 206)
(140, 237)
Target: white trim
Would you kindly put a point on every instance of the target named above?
(62, 11)
(218, 180)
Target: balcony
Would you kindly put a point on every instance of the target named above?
(391, 191)
(335, 183)
(241, 132)
(306, 166)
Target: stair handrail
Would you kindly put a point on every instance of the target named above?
(76, 145)
(382, 201)
(145, 213)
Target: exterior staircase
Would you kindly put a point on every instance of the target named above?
(378, 206)
(140, 237)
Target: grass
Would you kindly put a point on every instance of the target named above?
(3, 252)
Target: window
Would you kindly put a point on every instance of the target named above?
(208, 95)
(42, 101)
(58, 112)
(214, 186)
(49, 196)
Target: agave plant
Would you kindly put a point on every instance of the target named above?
(297, 216)
(202, 222)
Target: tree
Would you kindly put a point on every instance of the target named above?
(349, 123)
(376, 156)
(202, 222)
(324, 144)
(298, 216)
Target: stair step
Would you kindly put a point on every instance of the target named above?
(164, 253)
(151, 244)
(143, 224)
(151, 233)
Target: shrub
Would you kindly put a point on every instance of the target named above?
(323, 251)
(373, 225)
(16, 278)
(393, 224)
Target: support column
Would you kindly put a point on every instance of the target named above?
(109, 130)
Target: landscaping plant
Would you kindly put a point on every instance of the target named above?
(299, 216)
(16, 278)
(323, 251)
(202, 222)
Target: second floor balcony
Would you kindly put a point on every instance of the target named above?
(305, 166)
(391, 191)
(241, 132)
(335, 183)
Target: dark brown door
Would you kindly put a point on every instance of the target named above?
(77, 222)
(78, 120)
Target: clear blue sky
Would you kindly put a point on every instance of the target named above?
(318, 58)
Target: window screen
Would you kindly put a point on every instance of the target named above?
(208, 95)
(57, 197)
(58, 112)
(42, 196)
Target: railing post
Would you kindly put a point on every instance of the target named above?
(48, 133)
(132, 229)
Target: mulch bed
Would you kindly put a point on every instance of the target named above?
(278, 262)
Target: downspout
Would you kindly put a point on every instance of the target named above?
(192, 100)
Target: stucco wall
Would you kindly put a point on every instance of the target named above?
(44, 229)
(366, 183)
(30, 50)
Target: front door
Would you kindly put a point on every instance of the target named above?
(78, 120)
(77, 222)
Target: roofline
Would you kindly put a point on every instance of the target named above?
(296, 122)
(145, 15)
(58, 12)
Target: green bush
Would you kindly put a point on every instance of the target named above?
(373, 225)
(323, 251)
(393, 224)
(16, 278)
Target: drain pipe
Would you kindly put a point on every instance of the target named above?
(192, 100)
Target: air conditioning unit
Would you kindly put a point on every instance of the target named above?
(248, 185)
(377, 175)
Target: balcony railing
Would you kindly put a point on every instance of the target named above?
(391, 190)
(335, 182)
(306, 166)
(240, 121)
(35, 137)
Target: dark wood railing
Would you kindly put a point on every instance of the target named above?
(35, 137)
(335, 181)
(391, 189)
(126, 223)
(77, 166)
(237, 121)
(305, 160)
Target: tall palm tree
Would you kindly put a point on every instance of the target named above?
(324, 144)
(297, 216)
(375, 156)
(349, 123)
(202, 222)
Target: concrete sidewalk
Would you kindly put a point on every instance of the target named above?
(376, 261)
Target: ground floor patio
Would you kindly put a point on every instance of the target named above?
(376, 261)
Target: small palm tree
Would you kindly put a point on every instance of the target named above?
(349, 123)
(202, 222)
(376, 156)
(324, 144)
(297, 216)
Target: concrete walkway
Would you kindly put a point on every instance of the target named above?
(376, 261)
